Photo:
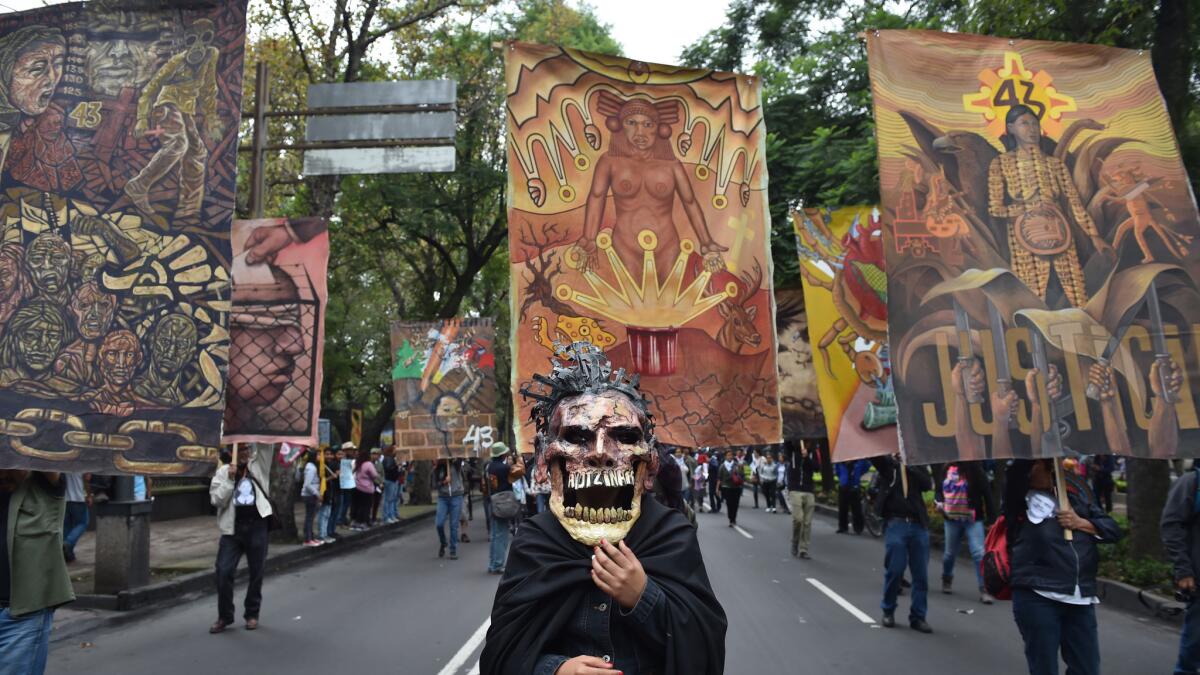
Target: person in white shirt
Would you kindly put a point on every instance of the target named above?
(239, 491)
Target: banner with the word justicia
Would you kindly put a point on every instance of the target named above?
(845, 295)
(638, 222)
(1042, 262)
(118, 146)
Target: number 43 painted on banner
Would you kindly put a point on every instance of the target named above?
(478, 438)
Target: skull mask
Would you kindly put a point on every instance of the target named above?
(596, 441)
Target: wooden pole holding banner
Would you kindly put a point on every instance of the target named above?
(233, 462)
(904, 478)
(1060, 485)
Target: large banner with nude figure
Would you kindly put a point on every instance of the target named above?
(276, 331)
(444, 378)
(845, 291)
(1043, 272)
(118, 139)
(638, 222)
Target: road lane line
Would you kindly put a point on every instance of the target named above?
(845, 604)
(475, 668)
(464, 653)
(743, 532)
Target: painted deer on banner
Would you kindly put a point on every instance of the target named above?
(738, 331)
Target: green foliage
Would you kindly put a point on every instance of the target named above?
(1118, 562)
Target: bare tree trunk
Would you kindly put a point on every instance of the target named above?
(1148, 481)
(421, 494)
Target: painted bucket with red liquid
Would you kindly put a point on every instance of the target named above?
(653, 350)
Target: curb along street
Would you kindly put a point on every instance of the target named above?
(1122, 596)
(139, 603)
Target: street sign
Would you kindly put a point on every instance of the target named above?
(380, 127)
(324, 432)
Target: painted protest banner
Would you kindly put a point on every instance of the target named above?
(638, 222)
(444, 376)
(845, 291)
(799, 399)
(277, 331)
(118, 140)
(1039, 233)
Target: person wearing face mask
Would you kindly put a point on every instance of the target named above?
(33, 573)
(1054, 578)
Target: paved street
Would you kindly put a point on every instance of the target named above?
(396, 608)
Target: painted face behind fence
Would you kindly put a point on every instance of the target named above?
(263, 362)
(599, 463)
(49, 263)
(35, 76)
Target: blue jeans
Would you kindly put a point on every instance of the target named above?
(906, 545)
(345, 498)
(955, 531)
(391, 499)
(324, 515)
(25, 642)
(448, 508)
(543, 502)
(1048, 625)
(74, 524)
(498, 549)
(1189, 641)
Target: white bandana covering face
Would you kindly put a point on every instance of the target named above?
(1039, 505)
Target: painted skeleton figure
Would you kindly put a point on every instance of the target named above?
(595, 440)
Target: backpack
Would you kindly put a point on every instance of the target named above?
(737, 477)
(956, 505)
(997, 573)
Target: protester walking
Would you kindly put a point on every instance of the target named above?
(501, 472)
(239, 491)
(448, 479)
(714, 483)
(391, 485)
(310, 494)
(699, 483)
(749, 462)
(906, 538)
(1053, 579)
(365, 476)
(1103, 484)
(965, 499)
(731, 479)
(850, 506)
(1180, 532)
(78, 503)
(33, 574)
(802, 487)
(768, 476)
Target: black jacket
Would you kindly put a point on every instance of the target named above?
(800, 474)
(1040, 556)
(892, 503)
(1181, 528)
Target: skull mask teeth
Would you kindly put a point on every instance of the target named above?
(599, 462)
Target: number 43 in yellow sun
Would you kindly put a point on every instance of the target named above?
(1013, 84)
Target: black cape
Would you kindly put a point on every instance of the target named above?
(548, 576)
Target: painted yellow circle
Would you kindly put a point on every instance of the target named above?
(720, 201)
(574, 257)
(604, 240)
(563, 292)
(647, 240)
(585, 330)
(566, 193)
(731, 289)
(582, 162)
(702, 172)
(686, 245)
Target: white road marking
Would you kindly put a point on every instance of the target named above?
(743, 532)
(460, 659)
(842, 602)
(474, 669)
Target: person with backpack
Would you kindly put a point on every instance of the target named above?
(965, 500)
(1053, 578)
(731, 479)
(906, 538)
(501, 472)
(1180, 532)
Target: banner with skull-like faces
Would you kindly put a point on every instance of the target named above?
(845, 293)
(638, 222)
(276, 330)
(444, 377)
(1042, 262)
(118, 143)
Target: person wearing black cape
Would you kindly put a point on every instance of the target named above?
(608, 580)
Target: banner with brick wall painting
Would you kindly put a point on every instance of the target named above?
(845, 296)
(118, 146)
(1042, 262)
(444, 376)
(638, 222)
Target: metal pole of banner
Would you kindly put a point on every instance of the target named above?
(257, 170)
(1060, 485)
